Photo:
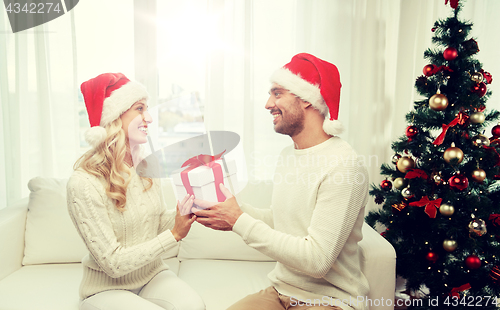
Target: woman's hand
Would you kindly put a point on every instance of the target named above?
(183, 218)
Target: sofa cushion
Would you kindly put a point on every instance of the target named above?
(206, 243)
(50, 234)
(47, 287)
(221, 283)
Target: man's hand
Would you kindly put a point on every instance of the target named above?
(219, 216)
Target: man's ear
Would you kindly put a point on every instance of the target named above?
(306, 104)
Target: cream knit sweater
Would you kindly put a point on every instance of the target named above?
(314, 225)
(125, 248)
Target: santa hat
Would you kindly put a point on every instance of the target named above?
(315, 81)
(106, 97)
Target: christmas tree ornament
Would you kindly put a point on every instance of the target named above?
(431, 257)
(472, 262)
(450, 53)
(398, 207)
(438, 179)
(480, 140)
(495, 274)
(405, 163)
(477, 77)
(495, 131)
(446, 209)
(453, 154)
(477, 227)
(406, 192)
(399, 183)
(479, 89)
(487, 78)
(477, 117)
(438, 102)
(395, 158)
(458, 181)
(379, 199)
(411, 131)
(449, 245)
(386, 185)
(429, 70)
(478, 175)
(470, 46)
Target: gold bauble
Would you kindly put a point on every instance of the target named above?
(480, 140)
(438, 102)
(477, 77)
(478, 175)
(399, 183)
(453, 153)
(405, 163)
(446, 209)
(477, 227)
(449, 245)
(477, 118)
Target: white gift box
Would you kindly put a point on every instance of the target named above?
(202, 181)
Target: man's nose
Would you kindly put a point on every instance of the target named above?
(270, 103)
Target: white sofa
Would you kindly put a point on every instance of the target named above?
(40, 255)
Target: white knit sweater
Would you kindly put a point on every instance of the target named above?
(314, 225)
(125, 248)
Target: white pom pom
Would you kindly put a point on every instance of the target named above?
(95, 136)
(333, 128)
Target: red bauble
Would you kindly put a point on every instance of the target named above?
(459, 181)
(411, 131)
(450, 53)
(495, 131)
(386, 185)
(472, 262)
(429, 70)
(479, 89)
(432, 257)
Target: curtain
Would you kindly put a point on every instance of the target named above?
(207, 65)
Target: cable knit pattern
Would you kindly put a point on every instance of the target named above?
(318, 210)
(125, 248)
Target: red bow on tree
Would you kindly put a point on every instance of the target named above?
(431, 206)
(416, 173)
(456, 290)
(439, 140)
(494, 219)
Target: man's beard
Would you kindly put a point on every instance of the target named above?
(293, 123)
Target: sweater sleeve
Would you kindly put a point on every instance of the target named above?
(265, 215)
(335, 213)
(87, 209)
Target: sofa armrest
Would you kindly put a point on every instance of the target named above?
(12, 228)
(378, 263)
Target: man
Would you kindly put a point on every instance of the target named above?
(320, 190)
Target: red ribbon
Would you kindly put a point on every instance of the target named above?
(456, 290)
(440, 68)
(494, 150)
(416, 173)
(439, 140)
(494, 219)
(204, 160)
(431, 206)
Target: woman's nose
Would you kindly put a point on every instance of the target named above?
(147, 117)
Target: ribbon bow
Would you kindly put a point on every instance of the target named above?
(453, 3)
(456, 290)
(204, 160)
(431, 206)
(494, 219)
(439, 140)
(494, 150)
(416, 173)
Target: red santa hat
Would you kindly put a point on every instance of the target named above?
(315, 81)
(106, 97)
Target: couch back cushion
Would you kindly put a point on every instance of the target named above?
(205, 243)
(50, 234)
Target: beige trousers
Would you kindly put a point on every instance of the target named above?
(270, 299)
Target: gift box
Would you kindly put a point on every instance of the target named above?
(201, 180)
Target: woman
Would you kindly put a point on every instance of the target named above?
(120, 215)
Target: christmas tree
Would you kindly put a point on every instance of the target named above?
(441, 197)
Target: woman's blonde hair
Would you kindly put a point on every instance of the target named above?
(107, 161)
